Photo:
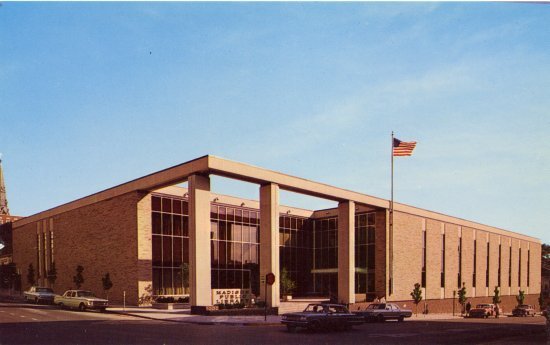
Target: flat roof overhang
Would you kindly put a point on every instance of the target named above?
(226, 168)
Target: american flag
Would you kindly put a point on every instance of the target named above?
(402, 148)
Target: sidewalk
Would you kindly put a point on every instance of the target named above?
(185, 316)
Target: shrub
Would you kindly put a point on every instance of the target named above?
(78, 279)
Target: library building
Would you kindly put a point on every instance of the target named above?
(155, 237)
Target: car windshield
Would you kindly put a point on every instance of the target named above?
(44, 290)
(481, 306)
(85, 294)
(524, 306)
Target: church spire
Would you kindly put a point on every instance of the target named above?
(4, 210)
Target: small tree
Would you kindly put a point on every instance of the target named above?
(78, 279)
(52, 275)
(541, 301)
(30, 275)
(462, 297)
(287, 284)
(107, 284)
(416, 295)
(147, 297)
(185, 276)
(520, 297)
(496, 296)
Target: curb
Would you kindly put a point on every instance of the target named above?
(204, 323)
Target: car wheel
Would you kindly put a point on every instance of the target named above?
(380, 318)
(82, 307)
(36, 300)
(60, 305)
(103, 310)
(401, 318)
(291, 329)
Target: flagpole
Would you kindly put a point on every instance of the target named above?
(391, 222)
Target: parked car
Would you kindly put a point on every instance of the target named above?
(483, 310)
(383, 311)
(39, 294)
(524, 310)
(319, 316)
(81, 299)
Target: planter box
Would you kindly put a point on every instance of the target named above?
(170, 306)
(214, 311)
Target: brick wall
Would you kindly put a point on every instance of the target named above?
(408, 261)
(101, 237)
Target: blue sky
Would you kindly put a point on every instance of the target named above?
(96, 94)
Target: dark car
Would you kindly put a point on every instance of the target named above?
(383, 311)
(524, 310)
(320, 316)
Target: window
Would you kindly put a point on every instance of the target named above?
(475, 264)
(170, 245)
(528, 267)
(487, 266)
(519, 268)
(38, 255)
(442, 260)
(51, 247)
(423, 278)
(459, 282)
(364, 252)
(499, 265)
(510, 267)
(235, 248)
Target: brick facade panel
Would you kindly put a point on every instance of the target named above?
(100, 237)
(451, 259)
(481, 264)
(467, 258)
(514, 288)
(535, 281)
(493, 262)
(433, 259)
(407, 264)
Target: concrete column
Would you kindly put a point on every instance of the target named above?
(199, 242)
(346, 252)
(269, 242)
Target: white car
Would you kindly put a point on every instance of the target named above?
(81, 300)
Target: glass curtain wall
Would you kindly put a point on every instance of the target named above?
(235, 248)
(325, 259)
(170, 245)
(295, 250)
(325, 256)
(308, 249)
(364, 252)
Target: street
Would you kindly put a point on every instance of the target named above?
(32, 324)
